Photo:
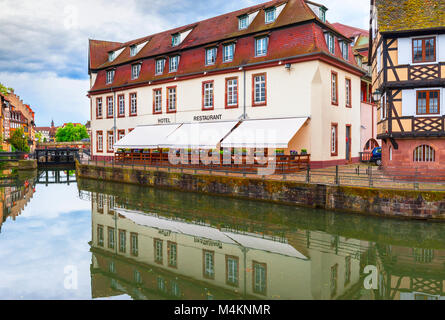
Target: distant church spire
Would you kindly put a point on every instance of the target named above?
(52, 123)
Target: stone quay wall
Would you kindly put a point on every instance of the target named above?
(423, 205)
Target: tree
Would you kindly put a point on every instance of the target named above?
(39, 137)
(71, 133)
(4, 90)
(19, 140)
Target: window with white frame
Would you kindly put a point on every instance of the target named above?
(270, 15)
(157, 100)
(211, 56)
(99, 108)
(135, 70)
(334, 140)
(261, 46)
(100, 142)
(243, 22)
(209, 264)
(228, 52)
(174, 63)
(110, 76)
(111, 239)
(424, 153)
(171, 99)
(121, 101)
(259, 83)
(176, 39)
(110, 107)
(100, 235)
(330, 42)
(259, 278)
(110, 141)
(232, 92)
(133, 50)
(133, 104)
(160, 64)
(345, 50)
(158, 250)
(232, 270)
(208, 95)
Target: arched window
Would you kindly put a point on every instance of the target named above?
(424, 153)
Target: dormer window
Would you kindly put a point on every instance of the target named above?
(270, 15)
(322, 15)
(344, 49)
(133, 50)
(160, 65)
(111, 56)
(135, 71)
(110, 76)
(211, 56)
(330, 42)
(176, 39)
(243, 22)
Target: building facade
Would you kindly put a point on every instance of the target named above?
(16, 114)
(408, 66)
(276, 60)
(368, 109)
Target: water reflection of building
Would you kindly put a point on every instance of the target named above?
(14, 199)
(410, 273)
(151, 256)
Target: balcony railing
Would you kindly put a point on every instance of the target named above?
(283, 163)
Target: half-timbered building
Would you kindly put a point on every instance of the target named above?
(408, 66)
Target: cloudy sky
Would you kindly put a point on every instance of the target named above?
(44, 44)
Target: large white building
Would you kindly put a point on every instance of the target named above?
(279, 60)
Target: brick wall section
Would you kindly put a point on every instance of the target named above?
(404, 156)
(380, 202)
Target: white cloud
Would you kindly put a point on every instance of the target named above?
(51, 96)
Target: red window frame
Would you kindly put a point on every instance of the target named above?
(227, 93)
(348, 91)
(334, 125)
(168, 99)
(428, 92)
(335, 103)
(119, 115)
(99, 132)
(108, 115)
(130, 129)
(213, 95)
(119, 132)
(264, 265)
(97, 108)
(259, 104)
(108, 144)
(424, 49)
(154, 101)
(129, 104)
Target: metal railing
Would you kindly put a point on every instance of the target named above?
(367, 176)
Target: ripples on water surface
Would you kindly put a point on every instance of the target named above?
(126, 242)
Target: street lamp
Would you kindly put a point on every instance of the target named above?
(377, 95)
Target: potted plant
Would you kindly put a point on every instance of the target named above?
(303, 152)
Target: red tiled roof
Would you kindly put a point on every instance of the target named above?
(350, 31)
(43, 128)
(298, 38)
(98, 52)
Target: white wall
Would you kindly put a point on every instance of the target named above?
(409, 102)
(405, 52)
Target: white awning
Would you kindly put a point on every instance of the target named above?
(264, 133)
(146, 137)
(199, 135)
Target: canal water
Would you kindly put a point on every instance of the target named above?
(62, 239)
